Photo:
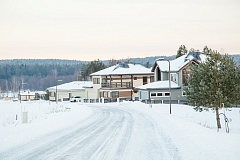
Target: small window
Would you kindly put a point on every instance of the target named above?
(96, 80)
(135, 78)
(159, 94)
(153, 94)
(52, 94)
(174, 77)
(144, 80)
(104, 94)
(183, 93)
(167, 94)
(151, 78)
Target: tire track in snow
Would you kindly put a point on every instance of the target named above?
(115, 146)
(150, 141)
(49, 143)
(93, 139)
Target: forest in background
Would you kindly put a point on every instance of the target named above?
(39, 74)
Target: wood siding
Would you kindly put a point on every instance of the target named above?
(125, 94)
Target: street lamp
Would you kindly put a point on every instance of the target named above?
(162, 59)
(56, 97)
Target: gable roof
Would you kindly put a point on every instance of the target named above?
(123, 69)
(75, 85)
(180, 62)
(158, 85)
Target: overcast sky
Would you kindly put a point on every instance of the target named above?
(106, 29)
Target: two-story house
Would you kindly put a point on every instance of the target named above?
(159, 90)
(119, 81)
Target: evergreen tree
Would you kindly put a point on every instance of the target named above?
(207, 50)
(181, 51)
(192, 50)
(213, 83)
(112, 62)
(92, 67)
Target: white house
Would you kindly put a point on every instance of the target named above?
(67, 90)
(26, 96)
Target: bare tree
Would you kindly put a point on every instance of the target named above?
(7, 87)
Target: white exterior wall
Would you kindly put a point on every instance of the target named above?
(62, 94)
(143, 95)
(91, 93)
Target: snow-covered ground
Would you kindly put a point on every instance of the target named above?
(127, 130)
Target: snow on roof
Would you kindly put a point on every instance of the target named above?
(177, 64)
(126, 69)
(159, 85)
(41, 92)
(75, 85)
(27, 93)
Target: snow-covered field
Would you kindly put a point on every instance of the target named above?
(127, 130)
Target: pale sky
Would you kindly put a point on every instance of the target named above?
(115, 29)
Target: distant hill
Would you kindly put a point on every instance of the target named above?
(39, 74)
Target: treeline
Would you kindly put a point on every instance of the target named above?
(36, 74)
(39, 74)
(9, 70)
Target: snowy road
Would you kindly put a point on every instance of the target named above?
(110, 132)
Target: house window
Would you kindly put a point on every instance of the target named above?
(96, 80)
(174, 77)
(183, 93)
(159, 94)
(151, 79)
(166, 94)
(52, 94)
(115, 94)
(144, 80)
(158, 74)
(104, 94)
(153, 94)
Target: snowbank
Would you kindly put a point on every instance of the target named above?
(43, 117)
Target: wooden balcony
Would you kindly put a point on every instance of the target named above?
(115, 85)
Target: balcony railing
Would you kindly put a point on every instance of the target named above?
(117, 85)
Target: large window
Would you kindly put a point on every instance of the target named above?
(115, 94)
